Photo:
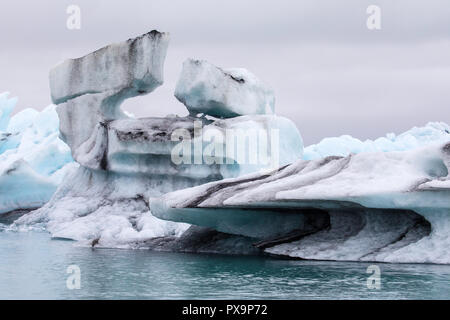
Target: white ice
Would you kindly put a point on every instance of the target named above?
(223, 93)
(33, 159)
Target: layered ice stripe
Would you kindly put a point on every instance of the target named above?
(384, 206)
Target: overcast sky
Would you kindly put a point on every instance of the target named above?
(331, 74)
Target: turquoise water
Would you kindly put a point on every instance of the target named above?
(32, 266)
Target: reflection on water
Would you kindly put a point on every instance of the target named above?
(32, 266)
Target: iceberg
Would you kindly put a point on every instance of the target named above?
(231, 177)
(224, 93)
(89, 91)
(123, 161)
(381, 206)
(33, 160)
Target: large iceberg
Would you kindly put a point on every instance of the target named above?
(33, 160)
(124, 161)
(231, 177)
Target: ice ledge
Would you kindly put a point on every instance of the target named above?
(390, 207)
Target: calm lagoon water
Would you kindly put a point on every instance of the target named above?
(32, 266)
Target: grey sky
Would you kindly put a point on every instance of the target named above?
(331, 74)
